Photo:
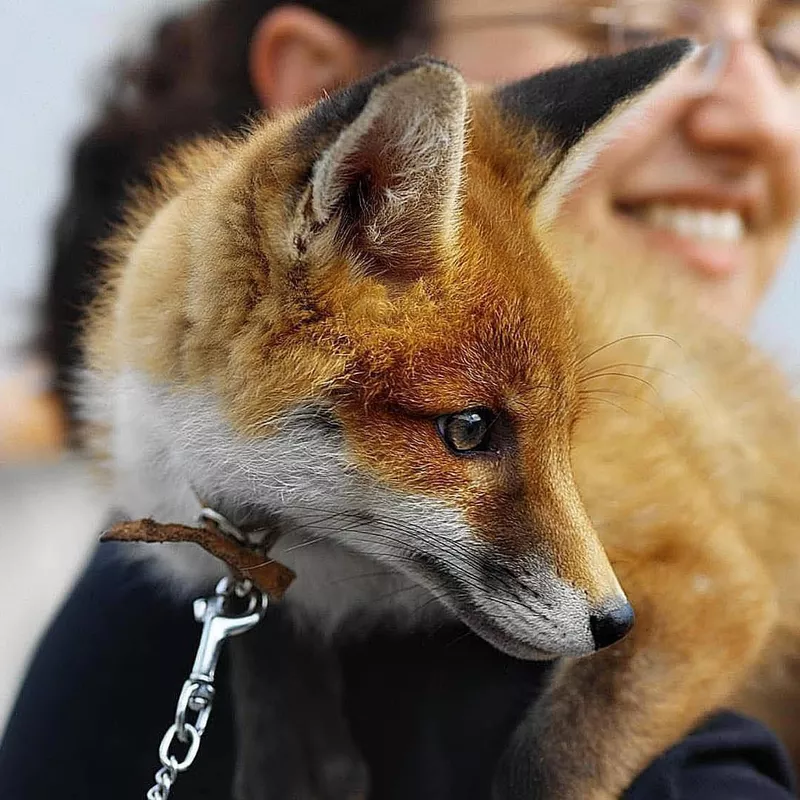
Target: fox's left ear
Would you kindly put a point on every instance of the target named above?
(572, 113)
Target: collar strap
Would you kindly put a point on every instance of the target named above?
(220, 537)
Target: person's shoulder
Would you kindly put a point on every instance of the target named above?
(729, 757)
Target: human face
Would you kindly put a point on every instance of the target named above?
(709, 186)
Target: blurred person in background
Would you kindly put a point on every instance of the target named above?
(711, 189)
(32, 423)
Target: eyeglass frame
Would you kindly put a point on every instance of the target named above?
(611, 17)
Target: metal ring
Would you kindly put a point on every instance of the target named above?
(169, 760)
(165, 778)
(242, 588)
(196, 697)
(222, 522)
(257, 601)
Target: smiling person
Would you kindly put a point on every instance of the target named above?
(712, 185)
(708, 190)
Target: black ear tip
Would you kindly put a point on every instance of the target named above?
(428, 61)
(569, 100)
(681, 47)
(659, 58)
(332, 114)
(433, 69)
(429, 66)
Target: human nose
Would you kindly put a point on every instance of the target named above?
(748, 111)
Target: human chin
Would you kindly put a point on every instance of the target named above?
(592, 227)
(732, 303)
(711, 241)
(730, 262)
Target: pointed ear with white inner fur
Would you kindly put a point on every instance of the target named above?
(579, 110)
(390, 180)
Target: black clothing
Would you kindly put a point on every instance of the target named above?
(102, 688)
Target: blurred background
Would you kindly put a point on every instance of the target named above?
(52, 55)
(52, 59)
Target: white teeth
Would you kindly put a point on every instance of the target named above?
(693, 223)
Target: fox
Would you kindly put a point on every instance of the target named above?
(355, 325)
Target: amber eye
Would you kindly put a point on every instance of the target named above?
(466, 431)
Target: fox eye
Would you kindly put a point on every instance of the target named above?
(466, 431)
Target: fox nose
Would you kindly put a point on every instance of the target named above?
(611, 625)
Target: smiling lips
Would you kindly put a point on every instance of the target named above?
(708, 239)
(707, 225)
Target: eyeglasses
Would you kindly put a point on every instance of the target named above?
(626, 24)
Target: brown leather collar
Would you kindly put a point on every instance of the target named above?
(245, 561)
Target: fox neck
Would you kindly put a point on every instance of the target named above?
(169, 449)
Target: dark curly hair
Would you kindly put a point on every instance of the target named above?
(193, 79)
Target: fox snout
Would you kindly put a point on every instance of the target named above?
(536, 615)
(611, 624)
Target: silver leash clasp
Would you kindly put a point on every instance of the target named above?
(236, 607)
(220, 622)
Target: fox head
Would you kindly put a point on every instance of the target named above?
(348, 323)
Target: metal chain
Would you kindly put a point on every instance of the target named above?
(221, 620)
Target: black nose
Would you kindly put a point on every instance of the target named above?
(611, 625)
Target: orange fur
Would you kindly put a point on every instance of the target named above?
(689, 477)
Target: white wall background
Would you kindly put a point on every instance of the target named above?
(51, 54)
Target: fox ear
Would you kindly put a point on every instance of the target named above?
(574, 112)
(387, 181)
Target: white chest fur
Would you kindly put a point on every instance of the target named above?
(170, 448)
